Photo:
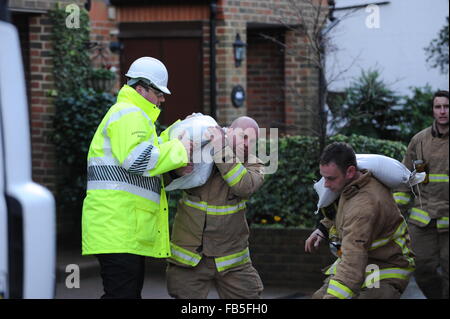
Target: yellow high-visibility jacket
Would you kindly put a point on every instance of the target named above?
(125, 210)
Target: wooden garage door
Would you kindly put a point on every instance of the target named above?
(183, 59)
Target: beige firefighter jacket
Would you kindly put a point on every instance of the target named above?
(211, 220)
(431, 198)
(373, 236)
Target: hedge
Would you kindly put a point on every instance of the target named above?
(287, 198)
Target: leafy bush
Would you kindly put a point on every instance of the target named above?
(287, 197)
(71, 62)
(417, 112)
(368, 107)
(437, 51)
(102, 74)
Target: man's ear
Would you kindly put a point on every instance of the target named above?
(351, 172)
(139, 89)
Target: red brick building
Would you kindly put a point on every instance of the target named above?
(280, 88)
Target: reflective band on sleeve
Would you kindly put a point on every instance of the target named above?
(442, 223)
(442, 178)
(401, 242)
(216, 210)
(227, 262)
(402, 198)
(235, 175)
(420, 215)
(142, 159)
(400, 231)
(339, 290)
(184, 256)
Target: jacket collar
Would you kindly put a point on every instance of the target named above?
(435, 131)
(353, 188)
(129, 95)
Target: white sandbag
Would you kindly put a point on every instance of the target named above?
(195, 128)
(388, 171)
(326, 196)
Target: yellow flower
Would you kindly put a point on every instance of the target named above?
(277, 218)
(263, 221)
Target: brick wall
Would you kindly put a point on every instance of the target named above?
(104, 31)
(265, 80)
(280, 258)
(40, 85)
(300, 78)
(41, 108)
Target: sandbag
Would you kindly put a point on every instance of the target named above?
(195, 128)
(387, 170)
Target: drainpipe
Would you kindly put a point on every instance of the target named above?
(212, 59)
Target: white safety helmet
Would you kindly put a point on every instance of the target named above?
(152, 70)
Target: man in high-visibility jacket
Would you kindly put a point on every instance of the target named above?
(125, 213)
(210, 233)
(428, 216)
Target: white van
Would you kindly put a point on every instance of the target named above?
(27, 210)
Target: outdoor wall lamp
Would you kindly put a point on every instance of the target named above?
(239, 50)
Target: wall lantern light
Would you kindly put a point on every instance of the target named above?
(239, 50)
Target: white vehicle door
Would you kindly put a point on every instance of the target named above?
(3, 223)
(30, 209)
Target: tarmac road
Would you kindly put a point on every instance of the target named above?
(155, 287)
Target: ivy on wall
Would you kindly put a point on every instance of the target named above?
(79, 110)
(71, 61)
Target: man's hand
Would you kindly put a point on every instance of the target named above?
(216, 135)
(187, 143)
(312, 243)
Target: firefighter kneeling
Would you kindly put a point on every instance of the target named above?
(368, 230)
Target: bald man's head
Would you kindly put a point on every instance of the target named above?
(245, 122)
(243, 132)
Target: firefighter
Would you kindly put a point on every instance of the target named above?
(374, 261)
(125, 214)
(428, 210)
(210, 233)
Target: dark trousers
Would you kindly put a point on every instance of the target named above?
(431, 249)
(122, 275)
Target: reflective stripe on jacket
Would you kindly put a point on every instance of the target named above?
(341, 291)
(125, 210)
(210, 219)
(431, 200)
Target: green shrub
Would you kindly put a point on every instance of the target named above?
(71, 62)
(102, 74)
(368, 107)
(287, 197)
(417, 112)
